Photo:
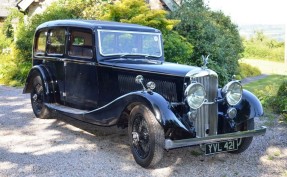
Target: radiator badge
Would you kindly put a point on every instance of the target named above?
(205, 61)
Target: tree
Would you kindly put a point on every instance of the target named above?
(176, 47)
(211, 33)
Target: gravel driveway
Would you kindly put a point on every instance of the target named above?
(35, 147)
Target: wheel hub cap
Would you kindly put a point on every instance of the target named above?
(136, 137)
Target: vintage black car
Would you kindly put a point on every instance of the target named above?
(109, 73)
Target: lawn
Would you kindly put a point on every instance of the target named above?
(267, 67)
(266, 90)
(271, 80)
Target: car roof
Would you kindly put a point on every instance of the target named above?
(95, 24)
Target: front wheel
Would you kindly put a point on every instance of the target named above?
(37, 99)
(146, 137)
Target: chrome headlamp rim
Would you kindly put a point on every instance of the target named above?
(186, 94)
(227, 89)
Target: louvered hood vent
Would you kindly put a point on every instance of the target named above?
(165, 88)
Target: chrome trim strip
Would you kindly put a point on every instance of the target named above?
(171, 144)
(104, 106)
(199, 72)
(86, 61)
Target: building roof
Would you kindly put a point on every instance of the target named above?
(94, 24)
(5, 5)
(22, 5)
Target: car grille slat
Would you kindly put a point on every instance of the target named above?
(207, 114)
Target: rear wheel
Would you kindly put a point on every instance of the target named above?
(146, 137)
(37, 99)
(244, 143)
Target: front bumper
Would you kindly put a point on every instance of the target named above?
(171, 144)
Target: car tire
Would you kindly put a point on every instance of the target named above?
(244, 143)
(37, 99)
(146, 137)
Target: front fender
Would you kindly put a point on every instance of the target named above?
(162, 110)
(249, 108)
(160, 107)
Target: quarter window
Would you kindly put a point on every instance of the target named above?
(81, 44)
(56, 42)
(41, 43)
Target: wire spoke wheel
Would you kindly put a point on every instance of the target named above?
(146, 136)
(37, 99)
(141, 136)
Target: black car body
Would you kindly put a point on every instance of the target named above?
(108, 73)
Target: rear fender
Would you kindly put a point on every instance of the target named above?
(48, 83)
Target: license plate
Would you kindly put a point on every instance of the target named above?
(222, 146)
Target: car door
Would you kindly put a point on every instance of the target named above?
(49, 51)
(81, 84)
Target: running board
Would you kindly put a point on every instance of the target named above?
(96, 117)
(66, 109)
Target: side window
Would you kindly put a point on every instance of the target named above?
(56, 42)
(81, 44)
(40, 46)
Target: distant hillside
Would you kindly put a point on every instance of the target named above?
(273, 31)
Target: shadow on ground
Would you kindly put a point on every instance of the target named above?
(67, 147)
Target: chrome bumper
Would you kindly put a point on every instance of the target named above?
(171, 144)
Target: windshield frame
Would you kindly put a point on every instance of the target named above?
(130, 54)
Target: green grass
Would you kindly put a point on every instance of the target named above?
(266, 91)
(260, 59)
(272, 80)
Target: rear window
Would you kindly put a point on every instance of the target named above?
(56, 42)
(40, 46)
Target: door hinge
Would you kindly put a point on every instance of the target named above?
(64, 93)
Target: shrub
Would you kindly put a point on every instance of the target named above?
(4, 42)
(281, 99)
(176, 48)
(211, 33)
(8, 69)
(246, 70)
(26, 32)
(282, 91)
(262, 47)
(277, 103)
(15, 67)
(129, 11)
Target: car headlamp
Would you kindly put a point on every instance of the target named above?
(233, 92)
(195, 95)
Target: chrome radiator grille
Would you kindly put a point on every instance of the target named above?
(206, 121)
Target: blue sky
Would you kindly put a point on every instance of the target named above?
(252, 11)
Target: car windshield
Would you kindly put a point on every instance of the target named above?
(126, 43)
